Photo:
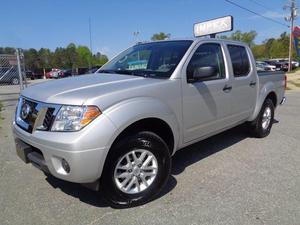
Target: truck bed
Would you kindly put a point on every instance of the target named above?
(276, 78)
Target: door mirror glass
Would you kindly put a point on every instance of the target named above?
(204, 72)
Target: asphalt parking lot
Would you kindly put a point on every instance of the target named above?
(227, 179)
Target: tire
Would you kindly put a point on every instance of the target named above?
(15, 81)
(147, 143)
(260, 127)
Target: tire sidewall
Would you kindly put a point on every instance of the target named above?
(143, 140)
(264, 132)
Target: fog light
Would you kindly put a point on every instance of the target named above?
(65, 165)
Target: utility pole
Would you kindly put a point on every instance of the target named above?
(293, 10)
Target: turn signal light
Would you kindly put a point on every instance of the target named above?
(89, 115)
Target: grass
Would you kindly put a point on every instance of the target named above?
(296, 84)
(294, 71)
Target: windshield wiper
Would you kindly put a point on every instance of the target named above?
(106, 71)
(126, 72)
(138, 72)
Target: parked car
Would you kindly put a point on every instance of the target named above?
(93, 70)
(285, 66)
(260, 68)
(118, 129)
(54, 73)
(295, 63)
(30, 74)
(265, 66)
(279, 65)
(9, 75)
(65, 73)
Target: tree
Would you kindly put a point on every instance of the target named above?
(247, 37)
(99, 59)
(160, 36)
(71, 56)
(45, 56)
(31, 59)
(7, 50)
(84, 58)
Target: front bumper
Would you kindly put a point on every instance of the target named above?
(84, 151)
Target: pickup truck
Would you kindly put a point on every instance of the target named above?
(116, 130)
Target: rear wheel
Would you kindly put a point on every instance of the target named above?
(262, 125)
(136, 170)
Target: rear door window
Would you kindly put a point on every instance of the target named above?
(240, 60)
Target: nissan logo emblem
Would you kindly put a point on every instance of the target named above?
(25, 110)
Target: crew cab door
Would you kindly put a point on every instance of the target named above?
(244, 82)
(206, 100)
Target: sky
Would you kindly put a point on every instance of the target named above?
(56, 23)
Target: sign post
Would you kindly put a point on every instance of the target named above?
(213, 27)
(19, 69)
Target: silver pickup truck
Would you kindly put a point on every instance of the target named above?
(117, 129)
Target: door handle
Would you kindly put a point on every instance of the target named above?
(227, 88)
(252, 84)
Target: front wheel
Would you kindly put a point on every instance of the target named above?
(262, 125)
(136, 170)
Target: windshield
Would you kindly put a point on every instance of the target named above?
(156, 59)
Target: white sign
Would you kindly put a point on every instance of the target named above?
(213, 26)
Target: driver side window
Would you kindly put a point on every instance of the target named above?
(207, 55)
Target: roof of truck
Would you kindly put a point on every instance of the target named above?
(195, 39)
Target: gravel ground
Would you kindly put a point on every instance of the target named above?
(227, 179)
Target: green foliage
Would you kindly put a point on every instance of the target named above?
(274, 48)
(270, 48)
(7, 50)
(160, 36)
(247, 37)
(70, 57)
(84, 56)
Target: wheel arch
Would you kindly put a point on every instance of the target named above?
(155, 125)
(145, 113)
(268, 91)
(272, 95)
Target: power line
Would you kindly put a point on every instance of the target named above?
(261, 5)
(258, 14)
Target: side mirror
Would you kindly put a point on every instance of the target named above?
(202, 72)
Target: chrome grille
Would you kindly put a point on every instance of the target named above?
(32, 115)
(48, 118)
(30, 119)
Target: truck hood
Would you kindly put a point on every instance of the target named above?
(77, 90)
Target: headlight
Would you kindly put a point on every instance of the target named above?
(74, 118)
